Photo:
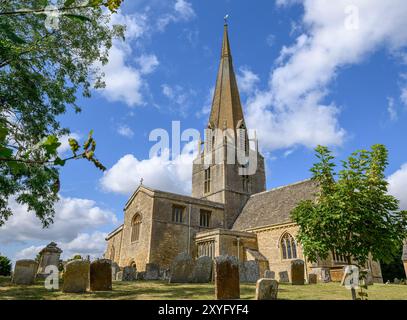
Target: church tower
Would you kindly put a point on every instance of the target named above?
(229, 168)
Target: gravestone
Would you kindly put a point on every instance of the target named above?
(165, 274)
(119, 276)
(283, 276)
(49, 256)
(266, 289)
(227, 284)
(202, 270)
(268, 274)
(152, 271)
(249, 271)
(101, 275)
(76, 276)
(325, 275)
(312, 278)
(129, 274)
(115, 270)
(140, 275)
(297, 272)
(182, 269)
(24, 272)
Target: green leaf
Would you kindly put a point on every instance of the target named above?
(51, 144)
(5, 152)
(3, 133)
(59, 162)
(69, 3)
(77, 17)
(16, 167)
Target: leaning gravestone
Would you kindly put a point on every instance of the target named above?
(266, 289)
(227, 284)
(115, 270)
(76, 276)
(101, 275)
(249, 271)
(129, 274)
(24, 272)
(49, 256)
(297, 272)
(283, 276)
(312, 278)
(152, 271)
(182, 269)
(268, 274)
(203, 270)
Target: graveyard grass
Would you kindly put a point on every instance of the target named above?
(157, 290)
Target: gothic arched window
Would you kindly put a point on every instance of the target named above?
(288, 247)
(135, 228)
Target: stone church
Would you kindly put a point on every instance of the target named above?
(229, 212)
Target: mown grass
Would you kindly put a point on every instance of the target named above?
(160, 290)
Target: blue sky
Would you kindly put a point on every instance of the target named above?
(309, 71)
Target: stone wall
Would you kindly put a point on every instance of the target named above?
(169, 238)
(269, 245)
(137, 252)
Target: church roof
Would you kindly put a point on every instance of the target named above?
(274, 206)
(226, 111)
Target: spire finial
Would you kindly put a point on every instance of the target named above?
(226, 19)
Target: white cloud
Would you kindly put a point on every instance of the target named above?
(247, 80)
(403, 96)
(148, 63)
(293, 109)
(84, 244)
(125, 131)
(124, 81)
(72, 217)
(391, 109)
(158, 172)
(398, 185)
(181, 11)
(176, 94)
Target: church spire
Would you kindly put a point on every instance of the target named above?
(226, 109)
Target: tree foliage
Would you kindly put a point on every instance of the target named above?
(42, 70)
(5, 266)
(353, 213)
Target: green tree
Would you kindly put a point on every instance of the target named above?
(353, 214)
(5, 266)
(42, 70)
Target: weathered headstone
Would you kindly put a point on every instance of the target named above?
(268, 274)
(202, 270)
(140, 275)
(249, 271)
(115, 270)
(101, 275)
(283, 276)
(76, 276)
(182, 269)
(25, 271)
(297, 272)
(49, 256)
(119, 276)
(227, 284)
(152, 271)
(165, 274)
(129, 274)
(266, 289)
(312, 278)
(325, 275)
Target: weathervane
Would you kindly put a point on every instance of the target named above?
(141, 181)
(226, 18)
